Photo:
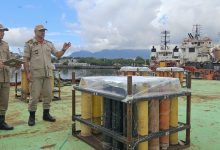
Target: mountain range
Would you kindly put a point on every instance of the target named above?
(111, 54)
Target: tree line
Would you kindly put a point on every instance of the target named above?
(138, 61)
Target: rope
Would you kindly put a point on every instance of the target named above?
(64, 142)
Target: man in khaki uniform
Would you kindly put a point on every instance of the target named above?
(37, 57)
(4, 80)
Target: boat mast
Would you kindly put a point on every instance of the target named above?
(165, 39)
(196, 30)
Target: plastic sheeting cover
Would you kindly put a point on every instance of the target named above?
(174, 69)
(141, 86)
(135, 69)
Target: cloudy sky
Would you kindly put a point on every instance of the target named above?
(108, 24)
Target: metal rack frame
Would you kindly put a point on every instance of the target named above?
(129, 140)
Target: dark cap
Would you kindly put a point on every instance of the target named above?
(3, 28)
(39, 27)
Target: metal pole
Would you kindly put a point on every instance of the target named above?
(188, 109)
(188, 80)
(59, 89)
(188, 119)
(16, 86)
(73, 104)
(129, 114)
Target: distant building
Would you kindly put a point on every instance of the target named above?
(195, 48)
(70, 62)
(15, 55)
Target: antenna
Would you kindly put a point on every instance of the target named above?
(197, 31)
(165, 38)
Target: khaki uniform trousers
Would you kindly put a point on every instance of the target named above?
(40, 87)
(4, 97)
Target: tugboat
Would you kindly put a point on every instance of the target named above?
(195, 56)
(165, 55)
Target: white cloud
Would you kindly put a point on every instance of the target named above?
(116, 23)
(182, 15)
(137, 24)
(16, 37)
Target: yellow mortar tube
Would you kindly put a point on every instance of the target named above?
(24, 83)
(144, 73)
(158, 74)
(130, 73)
(181, 77)
(142, 121)
(174, 119)
(96, 110)
(162, 64)
(174, 114)
(86, 112)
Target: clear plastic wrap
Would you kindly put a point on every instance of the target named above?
(170, 69)
(141, 86)
(135, 69)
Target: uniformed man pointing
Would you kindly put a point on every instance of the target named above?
(37, 57)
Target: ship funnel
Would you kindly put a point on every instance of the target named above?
(190, 35)
(176, 49)
(153, 49)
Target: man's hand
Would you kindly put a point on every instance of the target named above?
(18, 66)
(66, 46)
(29, 77)
(1, 64)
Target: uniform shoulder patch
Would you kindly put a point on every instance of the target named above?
(48, 41)
(49, 44)
(32, 42)
(4, 42)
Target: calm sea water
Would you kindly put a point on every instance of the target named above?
(67, 73)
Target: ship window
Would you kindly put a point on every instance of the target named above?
(175, 50)
(153, 58)
(183, 49)
(153, 50)
(191, 50)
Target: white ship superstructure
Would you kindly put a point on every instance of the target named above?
(165, 54)
(195, 48)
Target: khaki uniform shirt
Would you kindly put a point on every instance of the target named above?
(39, 55)
(4, 55)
